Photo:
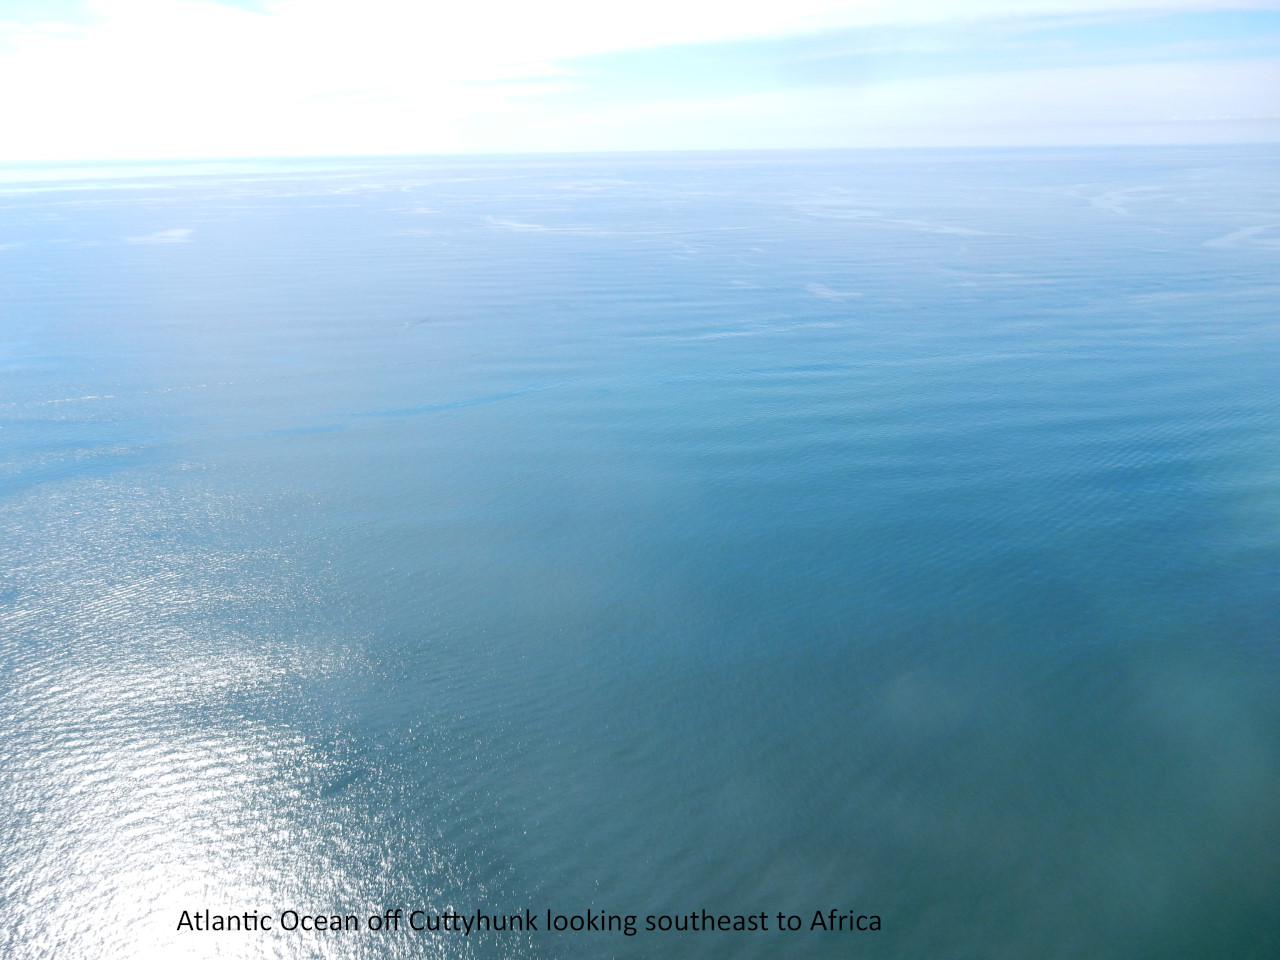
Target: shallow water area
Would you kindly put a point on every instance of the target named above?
(895, 534)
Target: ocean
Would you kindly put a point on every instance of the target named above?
(885, 534)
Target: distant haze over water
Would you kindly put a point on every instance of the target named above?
(892, 533)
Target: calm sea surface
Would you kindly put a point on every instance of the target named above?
(895, 533)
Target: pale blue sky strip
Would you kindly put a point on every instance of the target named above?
(855, 57)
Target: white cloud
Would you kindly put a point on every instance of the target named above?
(173, 78)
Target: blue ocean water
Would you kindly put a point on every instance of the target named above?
(895, 533)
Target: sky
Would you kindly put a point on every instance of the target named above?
(161, 79)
